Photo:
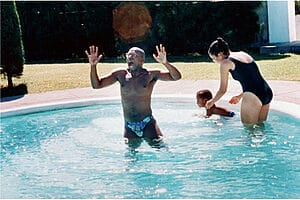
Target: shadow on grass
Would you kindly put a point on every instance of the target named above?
(191, 57)
(205, 58)
(150, 59)
(197, 58)
(271, 56)
(121, 59)
(10, 94)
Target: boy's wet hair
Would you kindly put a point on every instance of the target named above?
(218, 46)
(204, 94)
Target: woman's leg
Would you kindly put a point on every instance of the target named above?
(264, 112)
(251, 108)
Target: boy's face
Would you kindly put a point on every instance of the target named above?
(201, 102)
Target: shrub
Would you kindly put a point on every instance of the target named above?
(12, 53)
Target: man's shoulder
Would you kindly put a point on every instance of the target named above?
(154, 70)
(119, 71)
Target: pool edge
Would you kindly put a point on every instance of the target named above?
(281, 106)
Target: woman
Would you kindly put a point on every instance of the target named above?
(256, 95)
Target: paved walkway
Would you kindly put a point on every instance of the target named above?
(286, 91)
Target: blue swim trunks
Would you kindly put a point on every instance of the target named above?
(138, 127)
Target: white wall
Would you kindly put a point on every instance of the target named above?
(281, 21)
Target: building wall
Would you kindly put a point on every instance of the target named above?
(281, 21)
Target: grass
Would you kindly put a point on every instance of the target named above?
(40, 78)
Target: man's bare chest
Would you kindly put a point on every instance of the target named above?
(135, 85)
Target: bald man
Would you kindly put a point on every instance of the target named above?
(136, 85)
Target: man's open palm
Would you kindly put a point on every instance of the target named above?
(93, 56)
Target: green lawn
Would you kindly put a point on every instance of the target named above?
(48, 77)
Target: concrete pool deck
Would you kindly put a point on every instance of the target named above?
(284, 91)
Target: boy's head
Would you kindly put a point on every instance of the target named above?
(202, 97)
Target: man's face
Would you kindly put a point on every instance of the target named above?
(134, 59)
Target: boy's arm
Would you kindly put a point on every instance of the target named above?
(222, 111)
(209, 112)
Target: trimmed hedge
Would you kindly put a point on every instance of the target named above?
(63, 30)
(12, 52)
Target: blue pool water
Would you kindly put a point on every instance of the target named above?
(80, 153)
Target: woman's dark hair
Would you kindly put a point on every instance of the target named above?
(218, 46)
(204, 94)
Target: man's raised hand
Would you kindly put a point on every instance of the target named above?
(93, 56)
(161, 56)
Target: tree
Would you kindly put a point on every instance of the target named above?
(60, 31)
(12, 51)
(297, 7)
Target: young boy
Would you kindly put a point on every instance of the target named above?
(203, 96)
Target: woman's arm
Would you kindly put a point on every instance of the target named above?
(224, 73)
(236, 99)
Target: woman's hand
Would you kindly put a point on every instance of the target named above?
(161, 56)
(209, 104)
(93, 57)
(235, 99)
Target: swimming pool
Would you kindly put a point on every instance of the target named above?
(78, 152)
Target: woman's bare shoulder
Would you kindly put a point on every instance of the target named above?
(227, 64)
(242, 56)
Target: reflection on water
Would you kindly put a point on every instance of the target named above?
(80, 153)
(257, 134)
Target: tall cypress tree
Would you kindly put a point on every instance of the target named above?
(12, 51)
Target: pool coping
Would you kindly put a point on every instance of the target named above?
(286, 96)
